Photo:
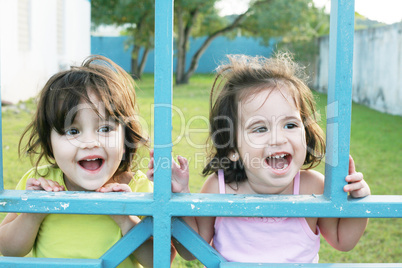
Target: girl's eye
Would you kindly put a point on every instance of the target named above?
(105, 129)
(72, 131)
(290, 126)
(260, 129)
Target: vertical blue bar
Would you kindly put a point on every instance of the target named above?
(1, 142)
(339, 98)
(163, 130)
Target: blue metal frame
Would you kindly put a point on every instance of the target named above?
(165, 207)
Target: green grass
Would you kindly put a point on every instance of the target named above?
(375, 145)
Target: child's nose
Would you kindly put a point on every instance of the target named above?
(276, 138)
(89, 141)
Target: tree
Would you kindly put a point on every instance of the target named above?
(137, 18)
(264, 18)
(290, 20)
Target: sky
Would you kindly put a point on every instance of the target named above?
(387, 11)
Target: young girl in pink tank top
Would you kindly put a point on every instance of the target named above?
(266, 140)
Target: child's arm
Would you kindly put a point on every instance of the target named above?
(18, 232)
(144, 253)
(180, 184)
(205, 225)
(344, 233)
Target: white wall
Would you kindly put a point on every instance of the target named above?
(377, 68)
(57, 35)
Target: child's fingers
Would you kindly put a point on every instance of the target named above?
(49, 185)
(352, 168)
(183, 162)
(355, 177)
(150, 174)
(151, 163)
(151, 153)
(106, 188)
(32, 184)
(353, 187)
(114, 187)
(121, 188)
(357, 189)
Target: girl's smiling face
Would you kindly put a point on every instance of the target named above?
(270, 140)
(91, 149)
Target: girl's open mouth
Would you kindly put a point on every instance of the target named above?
(91, 164)
(279, 161)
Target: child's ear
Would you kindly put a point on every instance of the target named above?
(233, 155)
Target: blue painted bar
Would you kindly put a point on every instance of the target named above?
(77, 202)
(163, 99)
(339, 98)
(1, 146)
(6, 262)
(200, 249)
(374, 206)
(128, 243)
(312, 265)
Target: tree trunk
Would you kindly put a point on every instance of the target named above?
(182, 45)
(135, 71)
(185, 77)
(143, 61)
(181, 49)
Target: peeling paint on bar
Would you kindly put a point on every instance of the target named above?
(64, 205)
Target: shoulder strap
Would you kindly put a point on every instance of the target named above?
(296, 184)
(221, 179)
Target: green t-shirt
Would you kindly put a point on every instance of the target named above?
(79, 236)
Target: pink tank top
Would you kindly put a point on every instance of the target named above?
(263, 239)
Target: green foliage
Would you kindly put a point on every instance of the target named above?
(293, 21)
(137, 17)
(301, 40)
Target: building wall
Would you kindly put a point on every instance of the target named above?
(377, 68)
(113, 47)
(37, 39)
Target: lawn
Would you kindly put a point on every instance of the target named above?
(375, 145)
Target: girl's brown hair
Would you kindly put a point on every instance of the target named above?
(63, 92)
(241, 78)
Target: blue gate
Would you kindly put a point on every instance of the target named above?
(164, 207)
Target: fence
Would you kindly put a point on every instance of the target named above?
(376, 71)
(164, 207)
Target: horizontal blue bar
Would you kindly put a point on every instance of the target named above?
(374, 206)
(51, 262)
(76, 202)
(310, 265)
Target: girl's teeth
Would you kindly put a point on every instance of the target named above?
(278, 162)
(277, 156)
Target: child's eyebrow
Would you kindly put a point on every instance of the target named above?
(291, 117)
(108, 119)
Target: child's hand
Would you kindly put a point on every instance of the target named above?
(43, 184)
(180, 174)
(114, 187)
(357, 186)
